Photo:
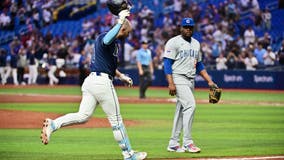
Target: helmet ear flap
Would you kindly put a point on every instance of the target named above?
(115, 6)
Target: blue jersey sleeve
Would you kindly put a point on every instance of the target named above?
(110, 36)
(168, 65)
(199, 67)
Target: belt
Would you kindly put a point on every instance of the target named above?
(102, 74)
(143, 65)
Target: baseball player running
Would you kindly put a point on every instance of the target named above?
(98, 89)
(182, 59)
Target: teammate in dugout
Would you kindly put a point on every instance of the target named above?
(182, 60)
(98, 89)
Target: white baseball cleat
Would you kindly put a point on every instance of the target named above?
(137, 156)
(191, 148)
(175, 149)
(140, 155)
(47, 129)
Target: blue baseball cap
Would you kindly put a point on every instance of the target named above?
(187, 22)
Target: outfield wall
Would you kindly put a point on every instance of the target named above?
(226, 79)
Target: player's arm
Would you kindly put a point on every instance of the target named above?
(151, 65)
(169, 58)
(168, 72)
(111, 35)
(200, 69)
(118, 73)
(215, 91)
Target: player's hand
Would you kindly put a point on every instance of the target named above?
(127, 80)
(172, 90)
(122, 15)
(211, 84)
(141, 72)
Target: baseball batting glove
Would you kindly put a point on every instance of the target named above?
(126, 80)
(214, 93)
(122, 15)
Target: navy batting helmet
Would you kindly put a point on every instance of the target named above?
(115, 6)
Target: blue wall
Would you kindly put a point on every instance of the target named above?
(246, 79)
(225, 79)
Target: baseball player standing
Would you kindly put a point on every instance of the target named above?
(98, 89)
(182, 60)
(14, 69)
(3, 59)
(33, 72)
(52, 67)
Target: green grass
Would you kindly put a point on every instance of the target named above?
(151, 92)
(220, 130)
(70, 90)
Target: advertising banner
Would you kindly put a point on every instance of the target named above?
(226, 79)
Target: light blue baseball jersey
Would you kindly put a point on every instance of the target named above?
(144, 56)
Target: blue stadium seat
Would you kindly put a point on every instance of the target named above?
(74, 27)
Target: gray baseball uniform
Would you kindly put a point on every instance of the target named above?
(185, 56)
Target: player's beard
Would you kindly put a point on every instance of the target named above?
(187, 37)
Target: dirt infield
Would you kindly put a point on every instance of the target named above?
(28, 119)
(14, 119)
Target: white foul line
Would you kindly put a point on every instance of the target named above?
(248, 158)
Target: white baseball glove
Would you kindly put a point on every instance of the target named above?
(126, 80)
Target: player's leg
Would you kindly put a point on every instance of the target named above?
(2, 73)
(142, 86)
(85, 112)
(110, 105)
(50, 75)
(174, 145)
(186, 97)
(35, 74)
(7, 71)
(52, 78)
(20, 74)
(148, 79)
(15, 76)
(87, 106)
(30, 75)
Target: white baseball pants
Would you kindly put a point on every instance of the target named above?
(99, 89)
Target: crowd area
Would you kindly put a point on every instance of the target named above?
(225, 42)
(38, 13)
